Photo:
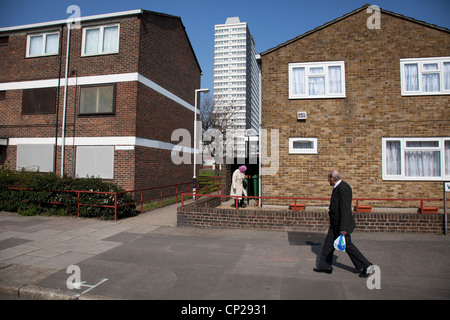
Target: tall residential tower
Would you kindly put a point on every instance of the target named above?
(237, 79)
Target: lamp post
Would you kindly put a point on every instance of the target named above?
(194, 187)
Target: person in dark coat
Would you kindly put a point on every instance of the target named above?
(341, 222)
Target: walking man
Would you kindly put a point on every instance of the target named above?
(341, 222)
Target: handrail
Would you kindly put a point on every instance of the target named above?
(295, 199)
(141, 191)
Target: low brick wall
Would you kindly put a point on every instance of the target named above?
(203, 214)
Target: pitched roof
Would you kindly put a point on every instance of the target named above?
(122, 14)
(348, 15)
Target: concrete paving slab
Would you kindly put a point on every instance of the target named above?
(145, 258)
(12, 242)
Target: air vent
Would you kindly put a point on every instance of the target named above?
(301, 115)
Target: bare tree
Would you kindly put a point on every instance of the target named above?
(216, 117)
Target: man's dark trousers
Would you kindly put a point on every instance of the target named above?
(341, 219)
(326, 256)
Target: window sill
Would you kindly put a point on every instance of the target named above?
(415, 94)
(86, 55)
(426, 179)
(316, 97)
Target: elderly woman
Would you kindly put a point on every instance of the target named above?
(237, 185)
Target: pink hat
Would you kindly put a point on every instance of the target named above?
(242, 169)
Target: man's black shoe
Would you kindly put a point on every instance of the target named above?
(366, 271)
(329, 271)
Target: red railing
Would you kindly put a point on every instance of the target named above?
(140, 192)
(295, 199)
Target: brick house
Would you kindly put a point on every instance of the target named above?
(368, 94)
(131, 81)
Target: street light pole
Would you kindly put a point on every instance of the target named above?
(194, 182)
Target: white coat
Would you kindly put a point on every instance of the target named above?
(237, 185)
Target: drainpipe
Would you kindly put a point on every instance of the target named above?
(55, 156)
(260, 129)
(63, 142)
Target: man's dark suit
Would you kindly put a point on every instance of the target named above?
(341, 219)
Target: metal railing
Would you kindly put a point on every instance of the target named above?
(138, 195)
(295, 199)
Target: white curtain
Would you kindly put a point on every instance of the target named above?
(51, 43)
(316, 86)
(422, 163)
(35, 45)
(298, 81)
(447, 76)
(91, 41)
(110, 39)
(412, 77)
(334, 79)
(430, 81)
(393, 158)
(447, 157)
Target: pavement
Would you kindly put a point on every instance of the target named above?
(149, 258)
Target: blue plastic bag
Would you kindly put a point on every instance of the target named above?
(339, 243)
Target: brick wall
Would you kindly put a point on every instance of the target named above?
(164, 42)
(350, 130)
(154, 45)
(203, 215)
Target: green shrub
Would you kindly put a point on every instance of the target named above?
(49, 189)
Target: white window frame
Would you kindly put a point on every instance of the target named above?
(420, 62)
(44, 42)
(100, 42)
(404, 148)
(308, 66)
(293, 150)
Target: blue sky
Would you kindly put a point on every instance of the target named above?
(270, 21)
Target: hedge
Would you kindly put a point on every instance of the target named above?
(38, 201)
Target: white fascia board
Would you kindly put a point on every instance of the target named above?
(81, 81)
(65, 21)
(126, 142)
(149, 83)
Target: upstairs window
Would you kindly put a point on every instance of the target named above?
(39, 101)
(317, 80)
(43, 44)
(100, 40)
(426, 76)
